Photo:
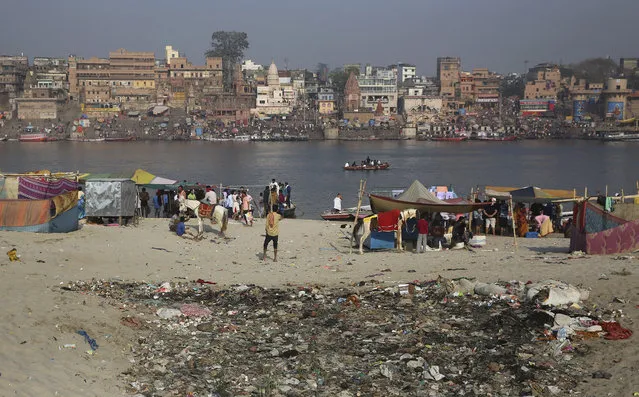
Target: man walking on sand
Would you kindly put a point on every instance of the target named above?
(272, 231)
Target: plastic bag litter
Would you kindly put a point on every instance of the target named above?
(555, 293)
(489, 289)
(167, 313)
(13, 255)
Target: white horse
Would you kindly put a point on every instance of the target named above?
(404, 215)
(219, 215)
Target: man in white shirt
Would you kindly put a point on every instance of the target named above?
(275, 185)
(210, 196)
(337, 203)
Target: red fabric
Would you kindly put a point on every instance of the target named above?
(387, 221)
(422, 226)
(615, 331)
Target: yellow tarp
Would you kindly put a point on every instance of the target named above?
(141, 177)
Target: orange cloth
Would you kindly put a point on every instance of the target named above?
(16, 213)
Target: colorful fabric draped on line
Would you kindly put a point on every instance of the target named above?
(41, 188)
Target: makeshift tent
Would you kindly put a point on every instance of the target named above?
(146, 179)
(597, 232)
(110, 197)
(139, 177)
(38, 204)
(529, 194)
(419, 193)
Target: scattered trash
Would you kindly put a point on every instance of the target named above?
(624, 272)
(555, 293)
(13, 255)
(438, 336)
(614, 330)
(166, 313)
(164, 287)
(200, 281)
(131, 322)
(92, 343)
(69, 346)
(194, 310)
(161, 249)
(601, 375)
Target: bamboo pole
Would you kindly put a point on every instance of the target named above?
(606, 190)
(362, 187)
(512, 220)
(622, 196)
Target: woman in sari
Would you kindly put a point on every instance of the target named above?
(521, 219)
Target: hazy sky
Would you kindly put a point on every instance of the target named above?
(498, 34)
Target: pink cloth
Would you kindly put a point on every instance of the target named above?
(194, 310)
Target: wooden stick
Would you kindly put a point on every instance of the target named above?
(362, 187)
(606, 190)
(512, 220)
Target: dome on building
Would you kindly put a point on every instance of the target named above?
(273, 77)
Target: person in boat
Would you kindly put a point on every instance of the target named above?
(337, 203)
(354, 163)
(368, 160)
(347, 164)
(287, 194)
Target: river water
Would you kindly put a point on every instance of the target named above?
(314, 169)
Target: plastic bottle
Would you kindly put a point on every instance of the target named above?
(562, 334)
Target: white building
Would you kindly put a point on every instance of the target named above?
(405, 71)
(378, 85)
(170, 53)
(273, 99)
(251, 66)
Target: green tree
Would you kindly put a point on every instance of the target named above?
(230, 46)
(595, 70)
(339, 77)
(322, 72)
(513, 85)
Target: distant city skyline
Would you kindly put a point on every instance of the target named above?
(498, 34)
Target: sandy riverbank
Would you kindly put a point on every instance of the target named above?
(38, 317)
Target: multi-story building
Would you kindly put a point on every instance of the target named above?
(249, 65)
(615, 95)
(448, 70)
(479, 86)
(13, 71)
(326, 101)
(378, 86)
(132, 76)
(405, 72)
(89, 80)
(543, 82)
(629, 66)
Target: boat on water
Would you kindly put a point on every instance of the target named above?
(449, 138)
(367, 167)
(620, 137)
(119, 138)
(495, 138)
(288, 212)
(37, 137)
(242, 138)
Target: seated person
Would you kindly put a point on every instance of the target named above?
(173, 222)
(180, 229)
(460, 232)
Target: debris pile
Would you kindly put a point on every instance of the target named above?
(435, 338)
